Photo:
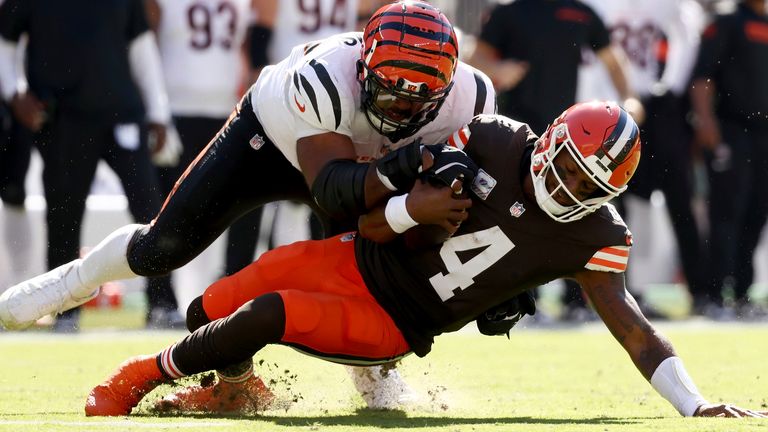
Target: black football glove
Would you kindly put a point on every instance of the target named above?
(401, 167)
(450, 164)
(500, 319)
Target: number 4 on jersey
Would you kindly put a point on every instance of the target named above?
(461, 275)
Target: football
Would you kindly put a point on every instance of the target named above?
(425, 236)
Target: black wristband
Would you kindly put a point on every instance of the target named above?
(339, 189)
(258, 43)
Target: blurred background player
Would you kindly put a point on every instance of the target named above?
(95, 92)
(202, 49)
(15, 153)
(531, 49)
(729, 98)
(643, 28)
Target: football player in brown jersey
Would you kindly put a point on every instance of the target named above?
(539, 211)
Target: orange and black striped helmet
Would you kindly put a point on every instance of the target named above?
(408, 60)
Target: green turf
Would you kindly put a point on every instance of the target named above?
(540, 380)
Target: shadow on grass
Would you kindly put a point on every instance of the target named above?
(400, 419)
(391, 420)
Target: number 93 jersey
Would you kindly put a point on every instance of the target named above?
(316, 90)
(200, 44)
(507, 245)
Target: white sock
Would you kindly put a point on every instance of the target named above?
(108, 260)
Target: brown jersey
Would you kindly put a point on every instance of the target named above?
(507, 245)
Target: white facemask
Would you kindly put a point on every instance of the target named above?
(545, 200)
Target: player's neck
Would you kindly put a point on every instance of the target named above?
(528, 188)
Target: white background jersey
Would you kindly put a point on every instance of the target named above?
(638, 26)
(319, 92)
(200, 46)
(300, 21)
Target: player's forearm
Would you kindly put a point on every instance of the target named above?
(374, 226)
(617, 65)
(376, 193)
(9, 78)
(147, 71)
(647, 348)
(702, 93)
(655, 358)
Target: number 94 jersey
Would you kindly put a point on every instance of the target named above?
(507, 245)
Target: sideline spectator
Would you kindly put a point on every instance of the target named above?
(15, 153)
(88, 66)
(729, 97)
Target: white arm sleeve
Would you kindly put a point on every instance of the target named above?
(8, 69)
(683, 29)
(673, 383)
(147, 71)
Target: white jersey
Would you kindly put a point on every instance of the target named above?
(319, 92)
(300, 21)
(638, 26)
(200, 46)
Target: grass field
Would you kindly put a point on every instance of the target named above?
(540, 380)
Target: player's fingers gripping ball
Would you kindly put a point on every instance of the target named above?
(451, 167)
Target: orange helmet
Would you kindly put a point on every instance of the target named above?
(605, 143)
(408, 59)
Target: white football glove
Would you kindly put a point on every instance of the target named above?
(169, 155)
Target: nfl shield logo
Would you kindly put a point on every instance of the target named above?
(517, 210)
(256, 142)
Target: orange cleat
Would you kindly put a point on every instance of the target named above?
(221, 397)
(123, 390)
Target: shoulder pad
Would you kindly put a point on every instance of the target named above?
(318, 98)
(494, 122)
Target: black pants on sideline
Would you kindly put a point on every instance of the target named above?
(71, 148)
(15, 153)
(738, 206)
(666, 165)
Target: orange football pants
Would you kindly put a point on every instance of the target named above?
(329, 311)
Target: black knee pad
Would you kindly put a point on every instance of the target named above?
(196, 316)
(152, 254)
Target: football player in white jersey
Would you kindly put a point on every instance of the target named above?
(300, 133)
(641, 27)
(201, 48)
